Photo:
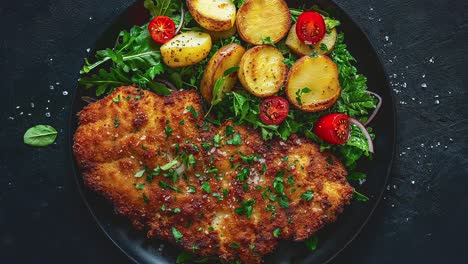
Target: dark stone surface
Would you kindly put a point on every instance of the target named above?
(421, 219)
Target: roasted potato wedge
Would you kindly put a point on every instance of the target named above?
(262, 70)
(259, 19)
(217, 35)
(313, 83)
(213, 15)
(225, 58)
(186, 49)
(302, 49)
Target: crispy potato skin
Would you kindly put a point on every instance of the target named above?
(186, 49)
(226, 57)
(258, 19)
(110, 155)
(319, 74)
(302, 49)
(262, 70)
(211, 20)
(217, 35)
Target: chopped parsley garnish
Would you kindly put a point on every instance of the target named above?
(163, 207)
(116, 121)
(229, 131)
(206, 146)
(307, 196)
(169, 165)
(291, 180)
(164, 186)
(140, 186)
(182, 122)
(140, 173)
(272, 209)
(176, 210)
(217, 139)
(234, 245)
(284, 201)
(276, 232)
(145, 198)
(206, 187)
(168, 130)
(191, 160)
(116, 99)
(192, 189)
(235, 140)
(177, 235)
(246, 208)
(243, 174)
(192, 111)
(330, 160)
(212, 170)
(218, 196)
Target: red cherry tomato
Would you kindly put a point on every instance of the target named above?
(162, 29)
(310, 27)
(273, 110)
(333, 128)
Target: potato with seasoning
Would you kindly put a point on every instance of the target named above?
(313, 84)
(213, 15)
(262, 70)
(260, 19)
(186, 49)
(225, 58)
(324, 46)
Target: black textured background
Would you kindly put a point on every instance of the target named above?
(422, 218)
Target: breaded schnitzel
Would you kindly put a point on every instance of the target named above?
(214, 191)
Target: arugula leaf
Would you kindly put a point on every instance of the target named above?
(135, 58)
(246, 208)
(308, 196)
(40, 136)
(331, 23)
(360, 197)
(238, 3)
(268, 41)
(312, 242)
(177, 234)
(356, 176)
(162, 7)
(300, 92)
(183, 257)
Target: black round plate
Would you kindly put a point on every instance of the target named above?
(334, 237)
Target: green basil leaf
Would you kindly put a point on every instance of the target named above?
(40, 136)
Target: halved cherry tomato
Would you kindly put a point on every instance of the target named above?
(162, 29)
(310, 27)
(273, 110)
(333, 128)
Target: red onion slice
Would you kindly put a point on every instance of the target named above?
(377, 108)
(88, 99)
(364, 131)
(165, 82)
(182, 18)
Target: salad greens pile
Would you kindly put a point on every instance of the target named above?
(136, 59)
